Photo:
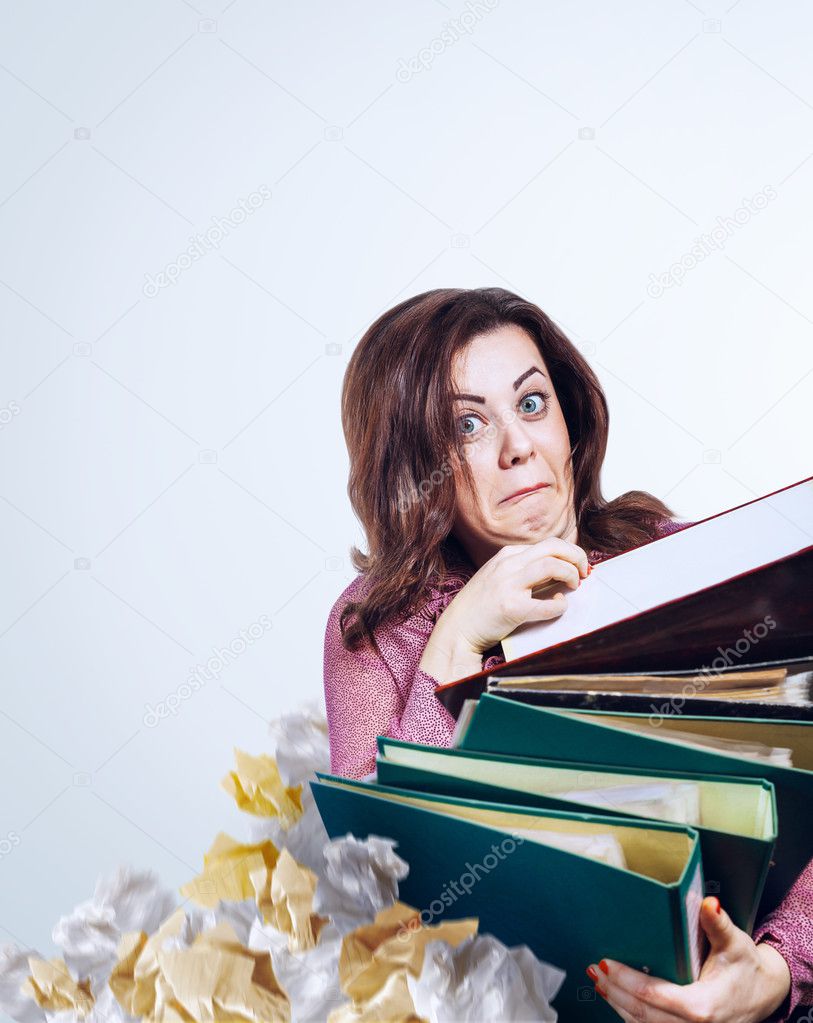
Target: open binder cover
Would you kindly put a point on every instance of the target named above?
(500, 725)
(741, 580)
(567, 907)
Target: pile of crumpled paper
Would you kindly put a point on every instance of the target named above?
(285, 926)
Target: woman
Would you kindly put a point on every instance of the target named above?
(476, 434)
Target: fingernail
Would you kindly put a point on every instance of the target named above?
(589, 569)
(591, 973)
(716, 905)
(602, 993)
(603, 966)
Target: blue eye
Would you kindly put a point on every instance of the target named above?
(537, 400)
(463, 421)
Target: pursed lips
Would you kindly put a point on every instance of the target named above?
(526, 493)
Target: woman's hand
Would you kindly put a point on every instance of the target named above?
(740, 982)
(497, 599)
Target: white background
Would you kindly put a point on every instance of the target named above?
(172, 465)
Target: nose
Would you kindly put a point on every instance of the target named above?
(517, 444)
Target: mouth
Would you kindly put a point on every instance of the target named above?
(519, 494)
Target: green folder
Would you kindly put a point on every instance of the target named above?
(465, 861)
(737, 835)
(501, 725)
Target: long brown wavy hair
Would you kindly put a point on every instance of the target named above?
(399, 423)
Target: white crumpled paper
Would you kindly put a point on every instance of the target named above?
(127, 900)
(358, 878)
(311, 978)
(302, 749)
(302, 743)
(483, 979)
(13, 973)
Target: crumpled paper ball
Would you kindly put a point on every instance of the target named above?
(127, 900)
(483, 979)
(52, 987)
(310, 978)
(358, 879)
(14, 970)
(257, 788)
(301, 750)
(302, 743)
(213, 979)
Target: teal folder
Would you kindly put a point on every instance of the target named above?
(500, 725)
(737, 836)
(465, 861)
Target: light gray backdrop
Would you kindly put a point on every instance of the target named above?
(203, 205)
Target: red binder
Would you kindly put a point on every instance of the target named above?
(696, 627)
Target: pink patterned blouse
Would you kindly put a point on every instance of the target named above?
(368, 694)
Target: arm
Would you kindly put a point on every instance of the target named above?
(364, 699)
(789, 930)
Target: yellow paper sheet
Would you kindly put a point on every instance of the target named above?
(215, 979)
(53, 988)
(227, 871)
(286, 902)
(394, 943)
(257, 788)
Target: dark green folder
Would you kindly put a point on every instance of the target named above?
(500, 725)
(736, 854)
(568, 908)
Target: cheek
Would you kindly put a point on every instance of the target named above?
(469, 505)
(554, 443)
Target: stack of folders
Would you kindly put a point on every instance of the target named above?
(614, 772)
(586, 834)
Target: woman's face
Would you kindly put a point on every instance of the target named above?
(515, 438)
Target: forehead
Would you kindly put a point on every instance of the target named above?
(494, 360)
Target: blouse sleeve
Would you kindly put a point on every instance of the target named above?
(789, 929)
(364, 700)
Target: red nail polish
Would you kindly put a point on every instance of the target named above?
(717, 907)
(602, 993)
(591, 973)
(603, 966)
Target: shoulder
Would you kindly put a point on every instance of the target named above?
(430, 605)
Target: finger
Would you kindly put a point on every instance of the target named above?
(547, 568)
(555, 546)
(717, 924)
(632, 1010)
(536, 610)
(660, 1001)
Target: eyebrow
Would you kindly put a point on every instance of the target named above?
(517, 382)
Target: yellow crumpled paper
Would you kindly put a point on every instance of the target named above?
(258, 788)
(214, 979)
(232, 872)
(285, 899)
(53, 988)
(375, 959)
